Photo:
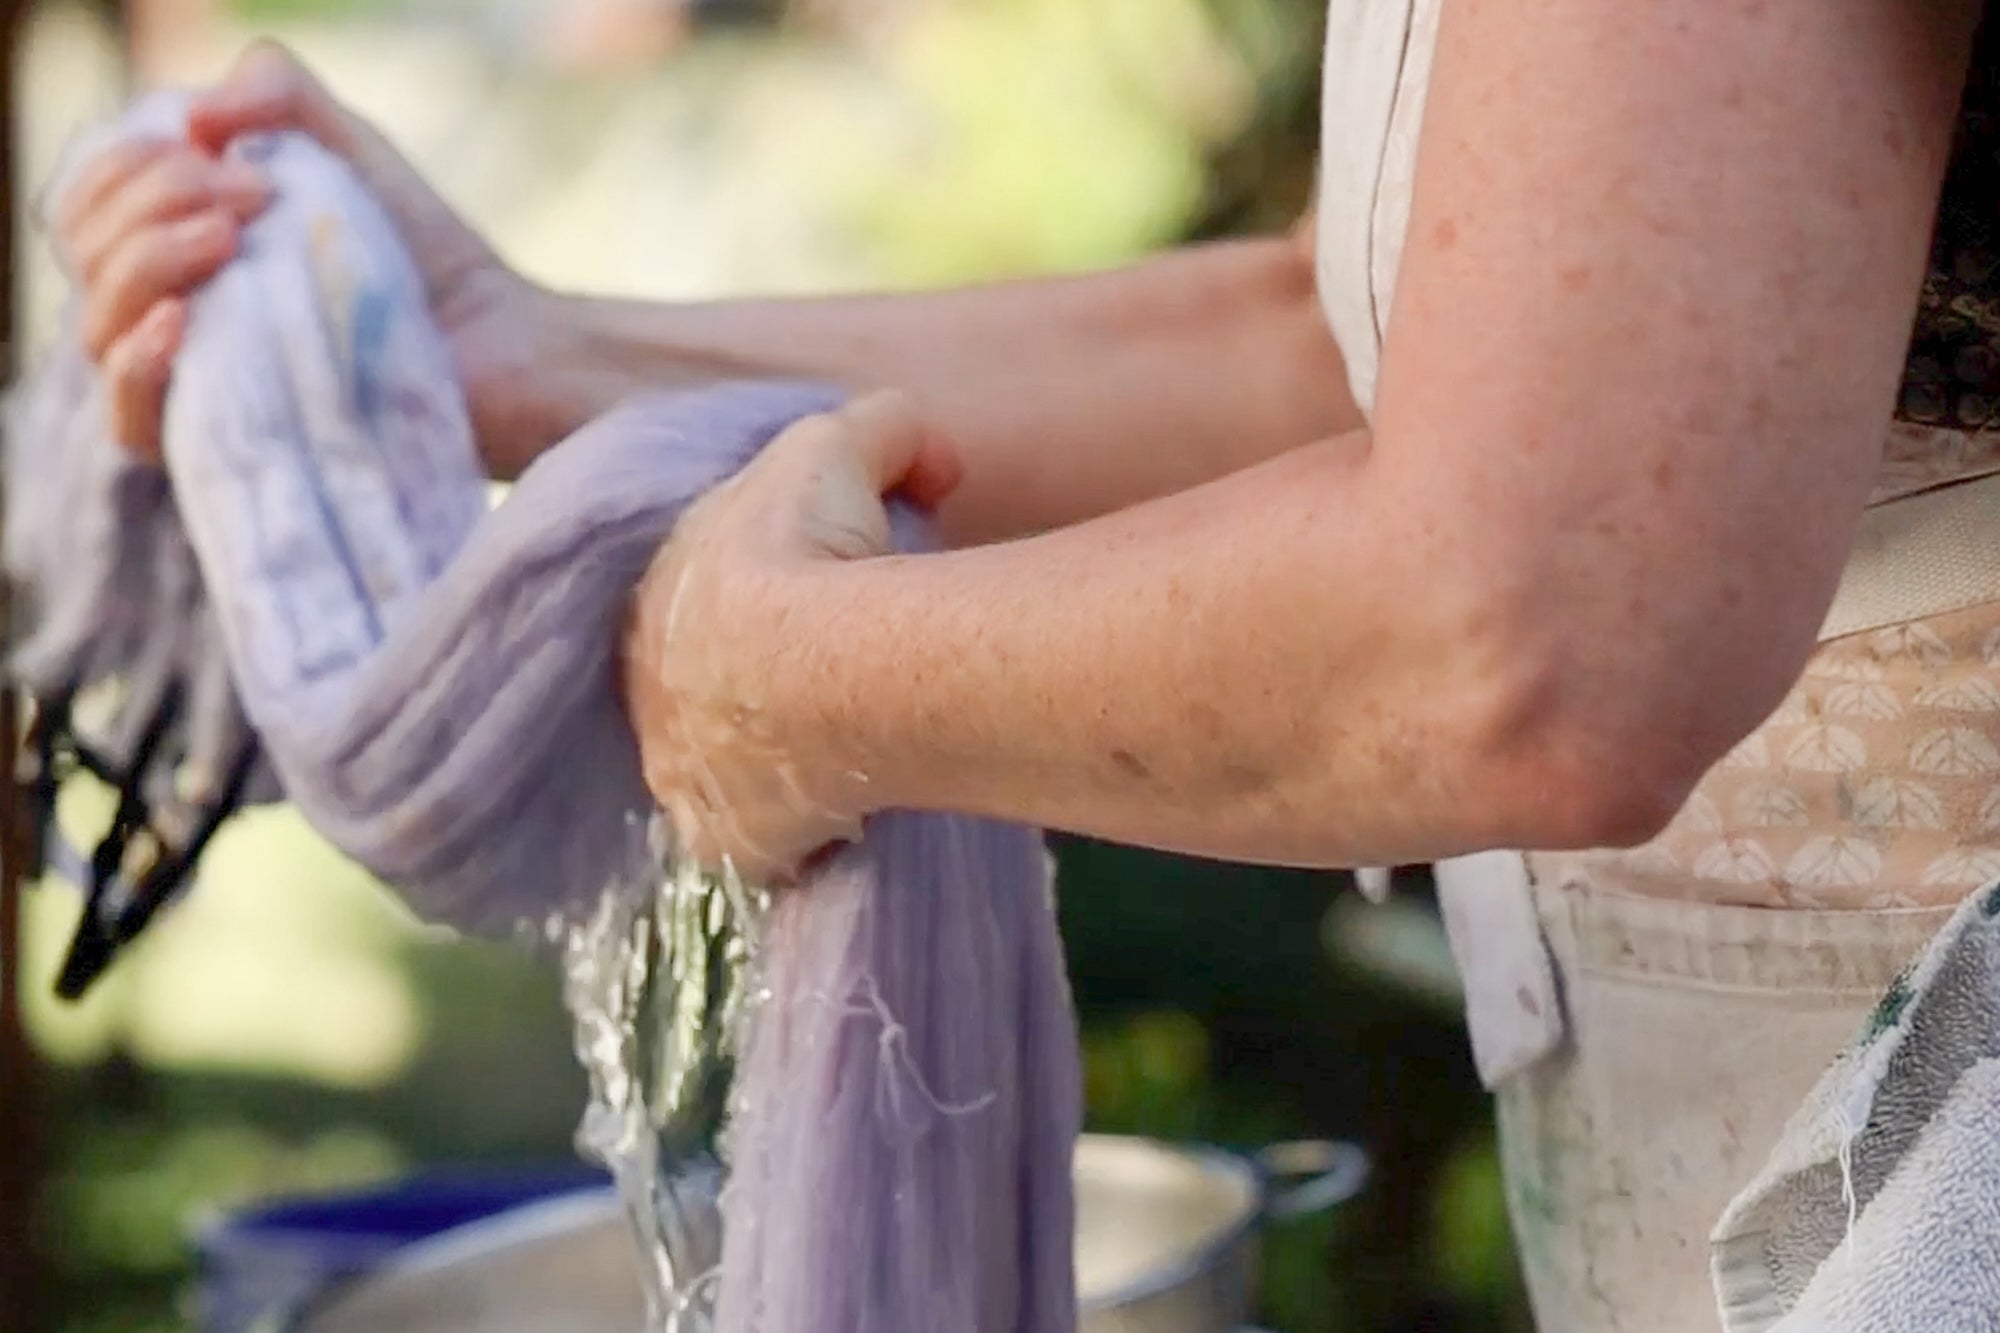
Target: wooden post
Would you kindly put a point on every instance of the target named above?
(21, 1303)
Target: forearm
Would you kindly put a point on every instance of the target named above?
(1282, 666)
(1067, 397)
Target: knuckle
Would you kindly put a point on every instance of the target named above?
(131, 269)
(134, 358)
(72, 205)
(129, 158)
(885, 407)
(67, 214)
(893, 403)
(119, 367)
(174, 181)
(83, 252)
(100, 329)
(120, 159)
(128, 280)
(803, 448)
(814, 432)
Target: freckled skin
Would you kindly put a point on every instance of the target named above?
(1654, 287)
(1638, 357)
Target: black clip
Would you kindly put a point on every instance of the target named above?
(135, 869)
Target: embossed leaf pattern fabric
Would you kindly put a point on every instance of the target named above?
(1875, 785)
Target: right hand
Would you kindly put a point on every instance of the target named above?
(148, 222)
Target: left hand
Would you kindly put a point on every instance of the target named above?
(736, 752)
(148, 223)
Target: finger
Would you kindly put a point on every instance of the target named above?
(812, 493)
(899, 451)
(169, 188)
(156, 264)
(830, 474)
(136, 370)
(102, 174)
(885, 436)
(269, 89)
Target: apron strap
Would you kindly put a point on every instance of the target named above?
(1921, 555)
(1512, 1007)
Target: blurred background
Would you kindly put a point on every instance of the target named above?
(289, 1029)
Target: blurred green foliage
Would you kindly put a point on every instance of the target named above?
(1220, 1004)
(263, 13)
(1106, 106)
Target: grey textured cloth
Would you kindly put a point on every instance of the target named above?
(1879, 1210)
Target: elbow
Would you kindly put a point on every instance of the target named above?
(1557, 803)
(1580, 757)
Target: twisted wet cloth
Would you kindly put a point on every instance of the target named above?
(431, 681)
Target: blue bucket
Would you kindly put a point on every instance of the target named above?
(262, 1262)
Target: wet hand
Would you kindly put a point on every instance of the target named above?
(736, 752)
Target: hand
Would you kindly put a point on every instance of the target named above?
(735, 751)
(147, 223)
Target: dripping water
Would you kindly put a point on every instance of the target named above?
(659, 977)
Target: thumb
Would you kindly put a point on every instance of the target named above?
(269, 89)
(898, 451)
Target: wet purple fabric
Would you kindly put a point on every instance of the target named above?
(909, 1097)
(432, 681)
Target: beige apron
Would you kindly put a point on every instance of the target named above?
(1645, 1053)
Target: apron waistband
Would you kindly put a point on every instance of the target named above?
(1921, 555)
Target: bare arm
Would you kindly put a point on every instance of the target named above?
(1068, 397)
(1071, 397)
(1631, 403)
